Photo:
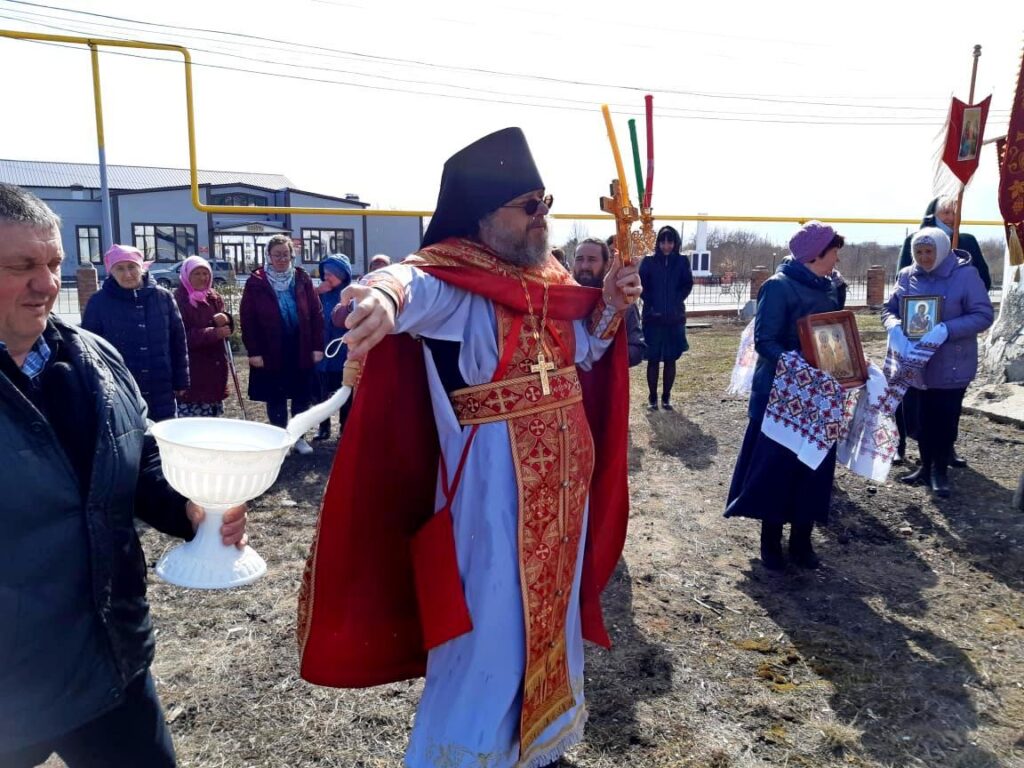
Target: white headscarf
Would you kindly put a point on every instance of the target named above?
(935, 237)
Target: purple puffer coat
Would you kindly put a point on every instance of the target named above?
(966, 311)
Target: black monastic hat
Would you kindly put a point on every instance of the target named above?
(479, 179)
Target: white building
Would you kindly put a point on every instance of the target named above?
(151, 208)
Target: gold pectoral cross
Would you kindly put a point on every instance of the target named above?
(542, 367)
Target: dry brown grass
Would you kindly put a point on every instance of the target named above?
(904, 651)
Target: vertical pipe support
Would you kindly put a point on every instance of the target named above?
(108, 222)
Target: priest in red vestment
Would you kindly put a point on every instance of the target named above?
(478, 502)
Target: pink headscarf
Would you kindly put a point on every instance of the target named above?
(192, 263)
(119, 253)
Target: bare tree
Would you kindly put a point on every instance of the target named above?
(577, 234)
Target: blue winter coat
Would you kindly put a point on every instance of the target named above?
(967, 242)
(75, 627)
(328, 301)
(966, 311)
(791, 293)
(145, 326)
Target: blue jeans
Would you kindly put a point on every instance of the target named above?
(133, 734)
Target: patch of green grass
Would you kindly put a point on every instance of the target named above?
(868, 320)
(704, 368)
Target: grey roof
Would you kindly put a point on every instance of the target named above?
(34, 173)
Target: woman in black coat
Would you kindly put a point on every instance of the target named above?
(667, 280)
(770, 483)
(142, 321)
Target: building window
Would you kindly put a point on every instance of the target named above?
(237, 198)
(89, 248)
(318, 244)
(165, 242)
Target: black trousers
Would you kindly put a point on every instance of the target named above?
(908, 414)
(901, 429)
(934, 416)
(132, 735)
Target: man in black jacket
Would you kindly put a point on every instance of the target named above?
(590, 264)
(76, 468)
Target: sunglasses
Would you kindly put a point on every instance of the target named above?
(530, 206)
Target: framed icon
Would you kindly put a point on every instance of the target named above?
(970, 132)
(919, 314)
(830, 342)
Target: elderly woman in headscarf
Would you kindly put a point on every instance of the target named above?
(335, 276)
(932, 407)
(282, 329)
(207, 325)
(143, 323)
(769, 482)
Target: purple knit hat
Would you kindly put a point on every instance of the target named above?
(811, 241)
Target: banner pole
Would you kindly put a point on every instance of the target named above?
(963, 187)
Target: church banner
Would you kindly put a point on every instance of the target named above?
(964, 133)
(1011, 167)
(1011, 173)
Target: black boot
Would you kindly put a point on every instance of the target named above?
(940, 482)
(901, 449)
(800, 550)
(900, 459)
(920, 475)
(956, 460)
(771, 547)
(324, 433)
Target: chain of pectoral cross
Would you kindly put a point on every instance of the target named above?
(543, 364)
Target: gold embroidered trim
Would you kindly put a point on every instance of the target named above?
(442, 755)
(601, 326)
(457, 252)
(573, 725)
(514, 398)
(304, 619)
(553, 457)
(389, 284)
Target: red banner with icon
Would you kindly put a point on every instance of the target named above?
(964, 133)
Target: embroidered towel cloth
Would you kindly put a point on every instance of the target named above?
(808, 412)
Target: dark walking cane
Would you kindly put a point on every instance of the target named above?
(234, 377)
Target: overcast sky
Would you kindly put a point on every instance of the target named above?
(803, 109)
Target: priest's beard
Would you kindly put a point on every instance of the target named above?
(522, 248)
